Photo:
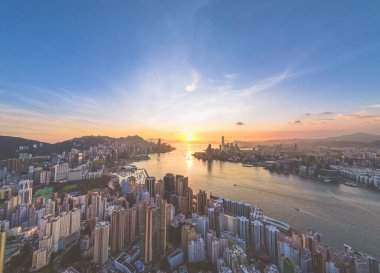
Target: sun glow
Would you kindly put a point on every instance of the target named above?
(189, 137)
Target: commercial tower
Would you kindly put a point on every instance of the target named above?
(101, 242)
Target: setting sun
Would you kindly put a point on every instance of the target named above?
(189, 137)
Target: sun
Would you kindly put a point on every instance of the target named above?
(189, 137)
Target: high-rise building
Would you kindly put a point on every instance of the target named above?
(150, 185)
(271, 234)
(201, 202)
(55, 229)
(152, 231)
(215, 250)
(331, 267)
(196, 251)
(45, 177)
(25, 192)
(169, 185)
(243, 227)
(306, 262)
(175, 259)
(188, 233)
(98, 206)
(202, 226)
(25, 196)
(181, 183)
(130, 224)
(74, 220)
(117, 235)
(39, 258)
(160, 188)
(188, 192)
(61, 172)
(361, 266)
(101, 242)
(64, 229)
(3, 239)
(216, 219)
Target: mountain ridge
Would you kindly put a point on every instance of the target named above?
(10, 146)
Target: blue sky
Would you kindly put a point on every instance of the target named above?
(172, 67)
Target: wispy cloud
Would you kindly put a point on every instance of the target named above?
(374, 106)
(195, 81)
(231, 76)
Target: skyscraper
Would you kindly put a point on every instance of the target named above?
(98, 205)
(169, 184)
(3, 239)
(130, 224)
(152, 229)
(202, 226)
(201, 202)
(160, 188)
(181, 183)
(101, 242)
(196, 251)
(117, 235)
(150, 185)
(271, 234)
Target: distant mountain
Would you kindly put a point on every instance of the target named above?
(358, 140)
(11, 147)
(357, 137)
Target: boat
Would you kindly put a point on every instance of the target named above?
(351, 184)
(248, 165)
(235, 185)
(297, 209)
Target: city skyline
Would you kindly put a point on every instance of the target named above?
(247, 70)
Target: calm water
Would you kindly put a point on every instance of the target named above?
(340, 213)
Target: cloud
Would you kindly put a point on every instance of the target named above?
(359, 115)
(374, 106)
(195, 81)
(265, 84)
(239, 123)
(297, 122)
(326, 113)
(231, 76)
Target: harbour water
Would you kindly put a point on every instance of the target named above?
(342, 214)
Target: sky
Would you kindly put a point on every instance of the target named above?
(248, 70)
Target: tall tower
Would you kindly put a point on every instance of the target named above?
(150, 185)
(102, 231)
(201, 202)
(117, 236)
(271, 234)
(3, 239)
(151, 231)
(130, 224)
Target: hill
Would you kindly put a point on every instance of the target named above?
(357, 140)
(11, 147)
(357, 137)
